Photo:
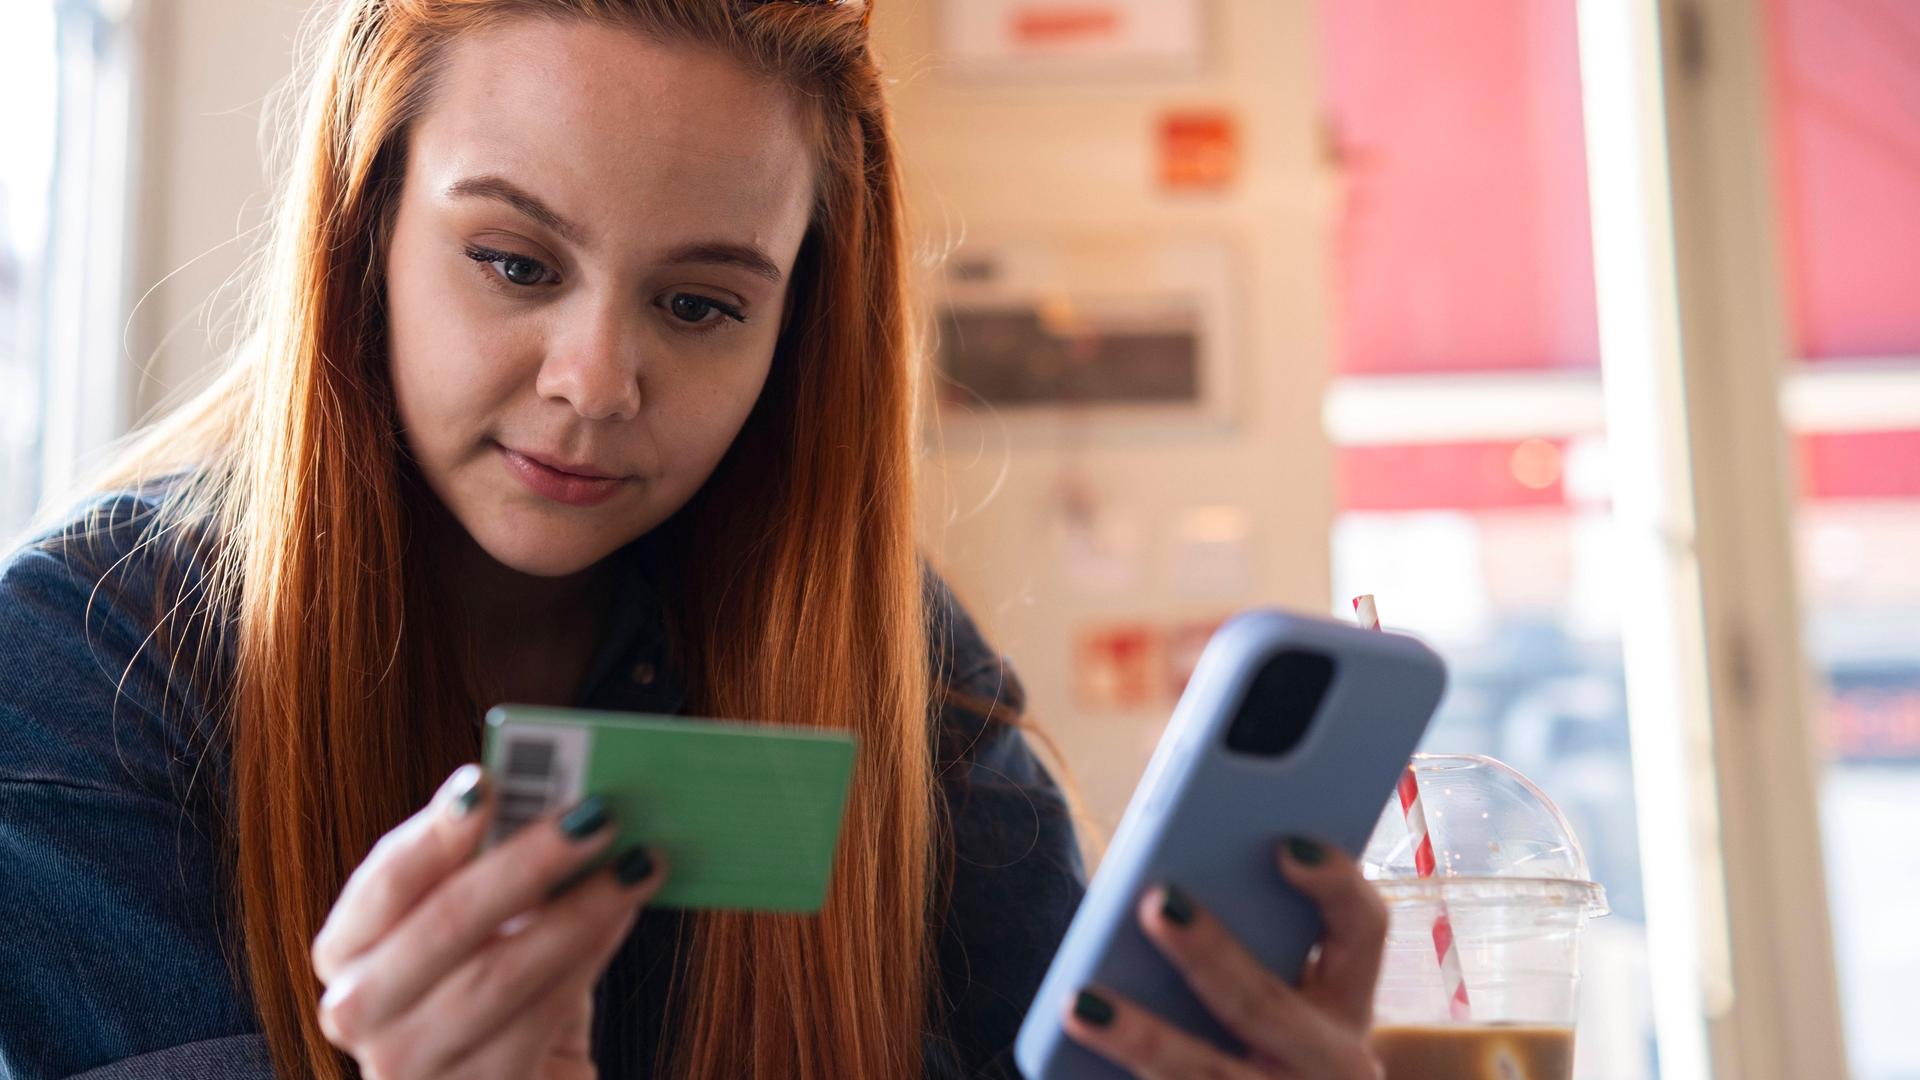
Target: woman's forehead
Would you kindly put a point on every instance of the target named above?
(616, 133)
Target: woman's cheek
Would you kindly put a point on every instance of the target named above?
(455, 382)
(710, 417)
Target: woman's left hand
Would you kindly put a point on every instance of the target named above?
(1318, 1030)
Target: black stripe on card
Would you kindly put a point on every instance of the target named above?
(530, 757)
(522, 806)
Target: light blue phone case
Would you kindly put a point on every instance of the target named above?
(1209, 818)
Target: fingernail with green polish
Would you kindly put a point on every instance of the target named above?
(1093, 1008)
(634, 867)
(589, 817)
(1305, 851)
(1175, 905)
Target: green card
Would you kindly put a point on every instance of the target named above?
(747, 815)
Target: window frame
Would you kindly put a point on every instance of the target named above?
(1681, 172)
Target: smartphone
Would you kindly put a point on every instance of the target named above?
(1290, 726)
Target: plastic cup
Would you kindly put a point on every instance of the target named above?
(1515, 888)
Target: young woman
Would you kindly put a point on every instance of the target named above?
(581, 374)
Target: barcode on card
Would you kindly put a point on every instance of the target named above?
(539, 768)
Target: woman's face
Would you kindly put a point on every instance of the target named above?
(586, 278)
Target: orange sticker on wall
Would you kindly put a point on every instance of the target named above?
(1054, 26)
(1199, 150)
(1117, 667)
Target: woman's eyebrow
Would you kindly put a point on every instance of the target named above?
(723, 253)
(500, 189)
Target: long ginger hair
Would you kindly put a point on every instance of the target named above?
(803, 606)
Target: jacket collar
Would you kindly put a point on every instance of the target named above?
(633, 667)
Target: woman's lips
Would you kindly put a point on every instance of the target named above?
(574, 489)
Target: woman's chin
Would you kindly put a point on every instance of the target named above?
(546, 553)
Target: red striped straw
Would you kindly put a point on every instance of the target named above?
(1423, 862)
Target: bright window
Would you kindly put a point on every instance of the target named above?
(1471, 471)
(63, 227)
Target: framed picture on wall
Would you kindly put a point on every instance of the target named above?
(1074, 37)
(1126, 330)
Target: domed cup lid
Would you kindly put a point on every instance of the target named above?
(1492, 832)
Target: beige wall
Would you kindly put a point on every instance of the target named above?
(1052, 157)
(1027, 159)
(201, 181)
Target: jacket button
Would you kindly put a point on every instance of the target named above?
(643, 673)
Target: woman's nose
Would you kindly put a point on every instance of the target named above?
(596, 369)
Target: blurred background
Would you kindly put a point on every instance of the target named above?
(1586, 335)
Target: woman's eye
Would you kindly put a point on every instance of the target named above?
(694, 310)
(514, 269)
(522, 271)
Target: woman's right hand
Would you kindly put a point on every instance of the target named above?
(440, 964)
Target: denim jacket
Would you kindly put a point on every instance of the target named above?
(118, 957)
